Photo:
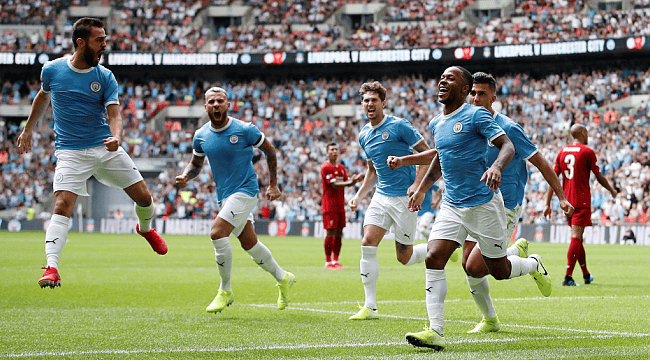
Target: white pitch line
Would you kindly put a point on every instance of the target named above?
(601, 332)
(497, 299)
(287, 347)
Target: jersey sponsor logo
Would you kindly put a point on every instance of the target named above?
(95, 86)
(234, 139)
(385, 135)
(458, 127)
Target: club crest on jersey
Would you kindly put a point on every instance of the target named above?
(458, 127)
(95, 86)
(59, 178)
(233, 139)
(384, 135)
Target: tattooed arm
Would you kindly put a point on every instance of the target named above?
(272, 191)
(191, 171)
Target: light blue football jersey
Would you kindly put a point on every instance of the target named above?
(392, 136)
(515, 175)
(461, 139)
(79, 101)
(230, 152)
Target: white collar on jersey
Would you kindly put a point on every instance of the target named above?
(380, 123)
(223, 128)
(80, 71)
(455, 112)
(496, 113)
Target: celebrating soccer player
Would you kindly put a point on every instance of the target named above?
(228, 143)
(472, 204)
(382, 136)
(82, 91)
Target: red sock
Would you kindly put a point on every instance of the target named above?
(329, 245)
(572, 255)
(582, 259)
(336, 248)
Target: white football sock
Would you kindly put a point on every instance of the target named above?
(369, 266)
(512, 250)
(223, 256)
(521, 266)
(480, 290)
(145, 214)
(418, 255)
(436, 292)
(263, 257)
(55, 238)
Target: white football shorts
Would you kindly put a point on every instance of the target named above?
(486, 222)
(385, 211)
(237, 209)
(111, 168)
(513, 216)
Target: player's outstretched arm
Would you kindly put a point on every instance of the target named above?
(554, 182)
(39, 105)
(272, 191)
(191, 171)
(420, 158)
(369, 180)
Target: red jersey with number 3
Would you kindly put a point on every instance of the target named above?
(575, 163)
(333, 199)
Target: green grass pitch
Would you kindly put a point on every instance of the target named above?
(119, 300)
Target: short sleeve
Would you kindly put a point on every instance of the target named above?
(486, 125)
(523, 146)
(409, 134)
(45, 78)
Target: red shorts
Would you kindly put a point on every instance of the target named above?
(581, 217)
(334, 220)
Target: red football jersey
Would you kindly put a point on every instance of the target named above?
(333, 199)
(575, 163)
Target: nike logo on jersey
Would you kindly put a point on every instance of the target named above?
(365, 275)
(429, 288)
(221, 264)
(407, 236)
(499, 246)
(472, 292)
(53, 241)
(261, 262)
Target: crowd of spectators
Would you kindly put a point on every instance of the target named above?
(169, 26)
(546, 107)
(545, 27)
(261, 39)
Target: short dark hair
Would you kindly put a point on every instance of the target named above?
(485, 78)
(81, 28)
(332, 144)
(467, 76)
(374, 86)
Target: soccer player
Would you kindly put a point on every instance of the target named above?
(335, 180)
(382, 136)
(87, 144)
(469, 206)
(513, 182)
(574, 163)
(228, 143)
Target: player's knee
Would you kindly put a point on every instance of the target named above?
(501, 274)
